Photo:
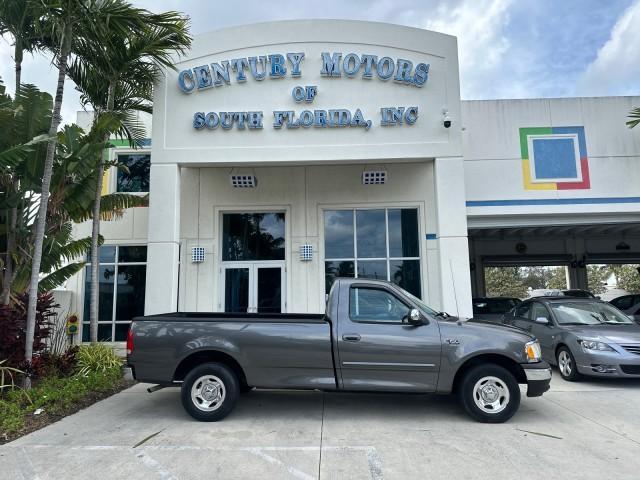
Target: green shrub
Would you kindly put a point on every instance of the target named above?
(55, 395)
(96, 358)
(11, 417)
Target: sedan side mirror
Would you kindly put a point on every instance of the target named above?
(542, 320)
(414, 317)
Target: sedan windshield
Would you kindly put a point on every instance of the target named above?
(588, 313)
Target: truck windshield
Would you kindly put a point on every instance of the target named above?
(588, 313)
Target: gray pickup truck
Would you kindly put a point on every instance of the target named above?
(374, 337)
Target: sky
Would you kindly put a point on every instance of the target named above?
(506, 48)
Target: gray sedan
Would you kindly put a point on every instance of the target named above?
(582, 336)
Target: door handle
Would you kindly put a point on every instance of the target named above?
(351, 337)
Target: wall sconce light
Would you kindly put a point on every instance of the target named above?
(197, 254)
(306, 252)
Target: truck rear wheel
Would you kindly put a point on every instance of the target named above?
(210, 391)
(489, 393)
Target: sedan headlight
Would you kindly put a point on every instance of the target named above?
(592, 345)
(532, 351)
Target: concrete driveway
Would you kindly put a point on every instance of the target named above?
(583, 430)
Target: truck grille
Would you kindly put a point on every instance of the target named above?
(631, 369)
(632, 348)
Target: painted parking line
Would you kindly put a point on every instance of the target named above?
(143, 454)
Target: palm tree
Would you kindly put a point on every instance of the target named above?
(116, 79)
(68, 23)
(24, 122)
(17, 18)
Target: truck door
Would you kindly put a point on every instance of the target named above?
(378, 349)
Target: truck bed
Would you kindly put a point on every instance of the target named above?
(235, 317)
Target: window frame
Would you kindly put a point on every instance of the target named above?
(386, 259)
(116, 263)
(355, 286)
(113, 178)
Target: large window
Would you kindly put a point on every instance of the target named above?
(252, 236)
(121, 288)
(380, 244)
(136, 176)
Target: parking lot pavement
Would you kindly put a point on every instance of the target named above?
(584, 430)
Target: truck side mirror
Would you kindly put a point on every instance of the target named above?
(542, 320)
(414, 317)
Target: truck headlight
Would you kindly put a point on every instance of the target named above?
(532, 351)
(592, 345)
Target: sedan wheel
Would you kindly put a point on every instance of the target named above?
(567, 365)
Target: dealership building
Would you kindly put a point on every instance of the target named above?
(284, 154)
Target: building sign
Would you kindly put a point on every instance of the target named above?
(310, 91)
(275, 66)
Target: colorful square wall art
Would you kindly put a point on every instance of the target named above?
(554, 158)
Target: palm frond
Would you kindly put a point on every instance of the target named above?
(634, 115)
(58, 277)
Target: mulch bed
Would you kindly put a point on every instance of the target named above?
(36, 422)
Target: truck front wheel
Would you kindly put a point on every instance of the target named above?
(489, 393)
(210, 391)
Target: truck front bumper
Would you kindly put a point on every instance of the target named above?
(538, 378)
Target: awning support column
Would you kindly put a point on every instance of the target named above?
(163, 251)
(453, 245)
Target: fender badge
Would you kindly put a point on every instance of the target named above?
(452, 341)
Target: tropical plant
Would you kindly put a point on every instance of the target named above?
(13, 328)
(634, 116)
(67, 23)
(7, 376)
(24, 122)
(116, 75)
(96, 357)
(18, 18)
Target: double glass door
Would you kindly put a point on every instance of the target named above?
(253, 287)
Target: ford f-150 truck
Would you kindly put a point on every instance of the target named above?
(374, 337)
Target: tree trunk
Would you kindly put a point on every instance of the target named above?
(13, 211)
(41, 220)
(95, 232)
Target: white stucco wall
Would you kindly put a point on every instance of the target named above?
(493, 164)
(302, 193)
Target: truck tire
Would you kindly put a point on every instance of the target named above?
(210, 391)
(567, 365)
(489, 393)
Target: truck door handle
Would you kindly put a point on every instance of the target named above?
(351, 337)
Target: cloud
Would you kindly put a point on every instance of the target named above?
(616, 68)
(481, 28)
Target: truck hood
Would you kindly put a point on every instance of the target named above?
(620, 334)
(486, 327)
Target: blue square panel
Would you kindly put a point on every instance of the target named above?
(554, 158)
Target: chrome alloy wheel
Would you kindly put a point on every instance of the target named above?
(564, 363)
(491, 394)
(208, 393)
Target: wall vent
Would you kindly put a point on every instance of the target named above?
(244, 181)
(374, 177)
